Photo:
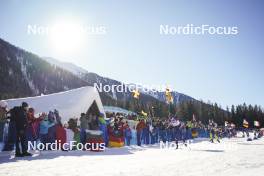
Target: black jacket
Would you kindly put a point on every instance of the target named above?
(19, 115)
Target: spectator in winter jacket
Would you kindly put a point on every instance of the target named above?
(178, 132)
(45, 124)
(133, 135)
(33, 125)
(51, 116)
(162, 130)
(116, 127)
(11, 130)
(57, 117)
(94, 123)
(52, 133)
(69, 135)
(52, 127)
(183, 133)
(21, 126)
(3, 118)
(140, 126)
(128, 133)
(145, 134)
(103, 127)
(84, 124)
(152, 131)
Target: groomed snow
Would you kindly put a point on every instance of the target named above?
(231, 157)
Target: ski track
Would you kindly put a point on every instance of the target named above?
(231, 157)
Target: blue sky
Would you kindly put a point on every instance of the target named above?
(223, 69)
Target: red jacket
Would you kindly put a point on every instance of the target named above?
(140, 126)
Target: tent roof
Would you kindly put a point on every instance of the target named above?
(69, 103)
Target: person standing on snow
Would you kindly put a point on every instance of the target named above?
(183, 129)
(44, 126)
(84, 124)
(178, 134)
(52, 128)
(3, 119)
(33, 125)
(103, 127)
(128, 133)
(21, 126)
(217, 133)
(214, 132)
(11, 129)
(162, 127)
(140, 126)
(211, 130)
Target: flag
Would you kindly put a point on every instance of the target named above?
(144, 113)
(168, 95)
(245, 123)
(136, 94)
(256, 123)
(194, 118)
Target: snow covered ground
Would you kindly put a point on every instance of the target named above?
(234, 156)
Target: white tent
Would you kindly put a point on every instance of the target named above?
(69, 103)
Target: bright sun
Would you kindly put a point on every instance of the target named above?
(66, 37)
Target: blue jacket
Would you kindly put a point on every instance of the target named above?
(44, 126)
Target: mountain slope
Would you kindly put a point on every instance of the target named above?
(93, 78)
(67, 66)
(25, 74)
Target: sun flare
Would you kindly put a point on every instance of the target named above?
(66, 36)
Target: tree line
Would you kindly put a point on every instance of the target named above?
(234, 114)
(202, 111)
